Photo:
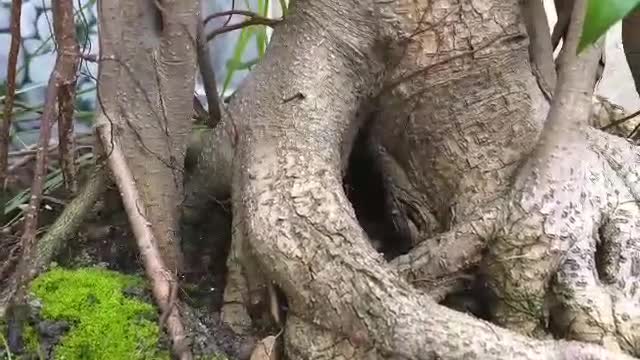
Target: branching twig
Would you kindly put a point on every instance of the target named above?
(230, 13)
(5, 129)
(68, 50)
(258, 20)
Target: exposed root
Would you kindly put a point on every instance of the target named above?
(436, 263)
(161, 278)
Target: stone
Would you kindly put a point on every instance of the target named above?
(41, 66)
(28, 20)
(5, 43)
(53, 329)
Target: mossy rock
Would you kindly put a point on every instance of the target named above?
(104, 323)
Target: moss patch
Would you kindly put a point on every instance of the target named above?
(104, 323)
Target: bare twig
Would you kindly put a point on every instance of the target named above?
(63, 13)
(5, 130)
(208, 78)
(259, 20)
(28, 239)
(230, 13)
(162, 279)
(31, 218)
(68, 51)
(621, 121)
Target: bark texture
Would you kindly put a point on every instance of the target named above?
(298, 115)
(151, 109)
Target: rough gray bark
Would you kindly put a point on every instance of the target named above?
(149, 56)
(458, 112)
(297, 117)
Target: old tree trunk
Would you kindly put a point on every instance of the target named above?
(408, 179)
(487, 184)
(500, 201)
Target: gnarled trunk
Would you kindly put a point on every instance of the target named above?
(457, 110)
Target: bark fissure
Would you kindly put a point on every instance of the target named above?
(344, 300)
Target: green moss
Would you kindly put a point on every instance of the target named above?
(212, 357)
(32, 342)
(104, 323)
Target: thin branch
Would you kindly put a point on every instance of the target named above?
(28, 239)
(621, 121)
(5, 129)
(163, 281)
(563, 11)
(63, 14)
(230, 13)
(31, 218)
(253, 21)
(208, 78)
(68, 51)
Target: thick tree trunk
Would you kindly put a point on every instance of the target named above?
(148, 50)
(297, 117)
(453, 102)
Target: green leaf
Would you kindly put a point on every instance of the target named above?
(232, 65)
(283, 7)
(601, 15)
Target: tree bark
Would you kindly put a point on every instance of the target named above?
(148, 51)
(298, 115)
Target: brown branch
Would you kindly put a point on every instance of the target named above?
(250, 22)
(31, 217)
(563, 11)
(162, 279)
(208, 78)
(63, 16)
(621, 121)
(68, 50)
(28, 239)
(230, 13)
(5, 130)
